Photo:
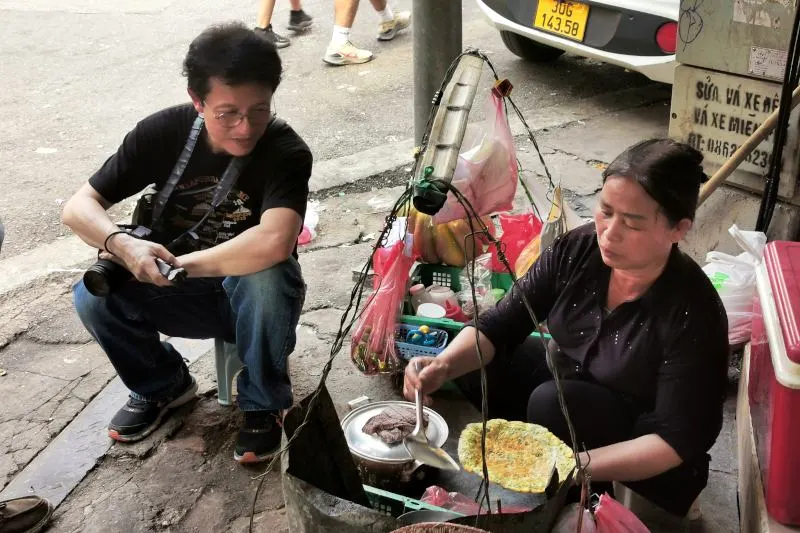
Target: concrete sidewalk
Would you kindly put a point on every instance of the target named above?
(183, 478)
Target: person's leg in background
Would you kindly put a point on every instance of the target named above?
(340, 50)
(390, 22)
(127, 323)
(299, 20)
(264, 24)
(265, 309)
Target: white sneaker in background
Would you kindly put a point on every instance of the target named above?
(388, 30)
(346, 54)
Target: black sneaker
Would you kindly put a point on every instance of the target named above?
(259, 438)
(138, 418)
(278, 40)
(299, 20)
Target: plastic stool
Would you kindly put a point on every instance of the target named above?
(228, 365)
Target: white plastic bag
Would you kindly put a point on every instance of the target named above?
(734, 277)
(310, 222)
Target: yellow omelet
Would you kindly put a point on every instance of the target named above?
(519, 456)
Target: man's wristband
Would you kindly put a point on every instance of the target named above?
(112, 234)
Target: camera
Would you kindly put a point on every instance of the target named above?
(103, 277)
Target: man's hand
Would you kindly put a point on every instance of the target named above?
(430, 378)
(138, 256)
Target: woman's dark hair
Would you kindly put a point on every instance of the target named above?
(234, 54)
(668, 170)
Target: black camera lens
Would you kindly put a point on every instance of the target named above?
(103, 277)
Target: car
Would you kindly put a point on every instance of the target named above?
(640, 35)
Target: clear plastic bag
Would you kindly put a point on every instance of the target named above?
(483, 286)
(612, 517)
(486, 171)
(372, 344)
(734, 277)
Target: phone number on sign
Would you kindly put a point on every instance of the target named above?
(758, 158)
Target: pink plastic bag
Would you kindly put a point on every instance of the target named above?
(486, 171)
(372, 344)
(612, 517)
(518, 231)
(458, 503)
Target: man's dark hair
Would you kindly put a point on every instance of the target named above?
(234, 54)
(668, 170)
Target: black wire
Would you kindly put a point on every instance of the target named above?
(348, 320)
(554, 370)
(472, 215)
(790, 81)
(506, 99)
(345, 325)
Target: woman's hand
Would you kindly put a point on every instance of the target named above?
(431, 376)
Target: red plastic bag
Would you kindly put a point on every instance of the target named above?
(458, 503)
(372, 344)
(518, 231)
(486, 171)
(612, 517)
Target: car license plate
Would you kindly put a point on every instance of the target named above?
(562, 17)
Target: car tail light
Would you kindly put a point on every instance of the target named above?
(666, 37)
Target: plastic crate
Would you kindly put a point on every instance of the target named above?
(448, 276)
(394, 504)
(408, 351)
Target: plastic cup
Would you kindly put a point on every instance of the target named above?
(430, 310)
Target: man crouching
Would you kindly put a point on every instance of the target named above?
(231, 186)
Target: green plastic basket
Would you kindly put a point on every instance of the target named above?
(449, 277)
(394, 504)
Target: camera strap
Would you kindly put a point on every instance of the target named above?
(226, 182)
(177, 171)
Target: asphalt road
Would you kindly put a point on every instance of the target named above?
(78, 74)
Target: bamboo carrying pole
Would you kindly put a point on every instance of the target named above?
(743, 151)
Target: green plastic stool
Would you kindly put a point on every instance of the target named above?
(228, 365)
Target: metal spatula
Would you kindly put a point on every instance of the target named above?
(418, 446)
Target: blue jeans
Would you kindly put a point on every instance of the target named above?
(259, 312)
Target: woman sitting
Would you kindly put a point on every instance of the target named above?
(639, 335)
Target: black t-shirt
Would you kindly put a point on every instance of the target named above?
(666, 352)
(277, 175)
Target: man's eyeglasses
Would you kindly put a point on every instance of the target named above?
(256, 117)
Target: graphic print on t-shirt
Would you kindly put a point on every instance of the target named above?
(191, 200)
